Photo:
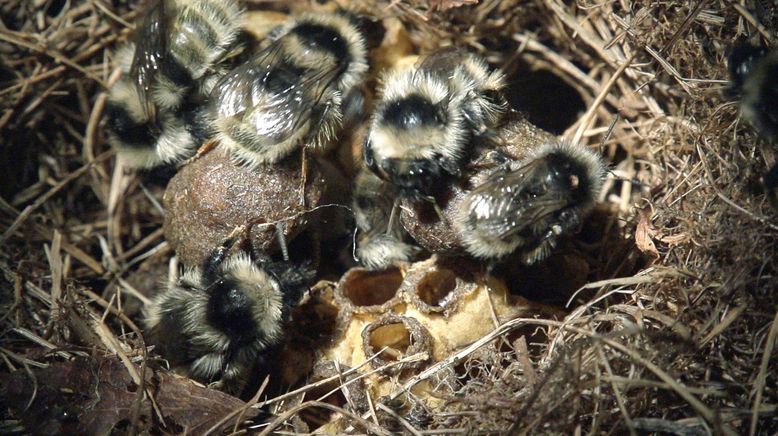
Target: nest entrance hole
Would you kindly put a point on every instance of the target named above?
(436, 287)
(372, 288)
(549, 102)
(395, 337)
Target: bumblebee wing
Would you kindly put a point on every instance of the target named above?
(272, 95)
(512, 202)
(150, 46)
(442, 62)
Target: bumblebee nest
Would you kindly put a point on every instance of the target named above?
(660, 316)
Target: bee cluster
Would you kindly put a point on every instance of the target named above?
(449, 168)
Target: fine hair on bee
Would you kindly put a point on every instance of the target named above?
(528, 205)
(418, 135)
(382, 240)
(754, 80)
(151, 112)
(219, 320)
(292, 91)
(470, 75)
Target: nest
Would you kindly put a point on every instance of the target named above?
(665, 303)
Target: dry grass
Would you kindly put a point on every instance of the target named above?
(676, 335)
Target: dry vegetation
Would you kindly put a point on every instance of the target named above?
(675, 331)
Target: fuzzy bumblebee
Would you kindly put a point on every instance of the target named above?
(528, 205)
(152, 114)
(291, 92)
(420, 131)
(217, 321)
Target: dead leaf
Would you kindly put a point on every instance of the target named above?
(643, 234)
(96, 396)
(676, 239)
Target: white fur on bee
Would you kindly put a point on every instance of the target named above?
(192, 50)
(173, 144)
(263, 290)
(238, 132)
(448, 140)
(378, 246)
(473, 78)
(123, 57)
(382, 251)
(474, 242)
(254, 154)
(474, 73)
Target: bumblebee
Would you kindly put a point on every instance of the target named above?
(151, 115)
(219, 320)
(529, 205)
(382, 239)
(422, 126)
(292, 92)
(754, 75)
(754, 80)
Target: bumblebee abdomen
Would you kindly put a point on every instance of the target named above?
(323, 38)
(202, 31)
(132, 132)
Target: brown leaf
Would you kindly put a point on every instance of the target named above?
(96, 396)
(643, 234)
(676, 239)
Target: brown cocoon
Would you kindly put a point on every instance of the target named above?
(213, 195)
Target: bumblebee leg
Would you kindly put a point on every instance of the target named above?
(204, 149)
(437, 208)
(217, 256)
(280, 230)
(569, 222)
(392, 217)
(473, 119)
(495, 158)
(233, 380)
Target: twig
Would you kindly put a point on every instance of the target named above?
(240, 410)
(400, 419)
(761, 377)
(294, 410)
(587, 118)
(50, 193)
(7, 37)
(412, 358)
